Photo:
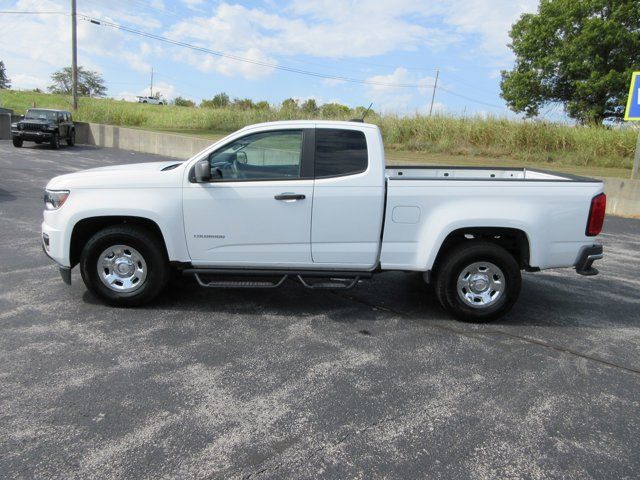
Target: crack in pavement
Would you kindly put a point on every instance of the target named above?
(477, 334)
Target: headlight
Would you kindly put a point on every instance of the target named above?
(14, 125)
(21, 126)
(54, 199)
(45, 127)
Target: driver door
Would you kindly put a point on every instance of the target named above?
(256, 210)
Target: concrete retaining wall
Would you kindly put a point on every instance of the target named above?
(5, 126)
(177, 146)
(623, 197)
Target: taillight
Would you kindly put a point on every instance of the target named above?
(596, 215)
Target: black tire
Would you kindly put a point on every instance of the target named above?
(142, 240)
(71, 139)
(55, 141)
(461, 258)
(17, 142)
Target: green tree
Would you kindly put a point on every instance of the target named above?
(262, 105)
(5, 82)
(183, 102)
(221, 100)
(243, 103)
(290, 104)
(576, 53)
(90, 83)
(335, 110)
(310, 106)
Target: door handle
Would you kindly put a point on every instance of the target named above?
(290, 196)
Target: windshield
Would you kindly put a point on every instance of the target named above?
(40, 115)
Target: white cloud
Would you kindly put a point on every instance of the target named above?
(274, 32)
(193, 3)
(336, 29)
(227, 66)
(30, 63)
(25, 81)
(399, 100)
(489, 20)
(236, 28)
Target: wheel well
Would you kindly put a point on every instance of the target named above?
(86, 228)
(511, 239)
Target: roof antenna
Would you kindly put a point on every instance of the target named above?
(363, 115)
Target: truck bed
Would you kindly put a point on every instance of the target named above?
(426, 204)
(413, 172)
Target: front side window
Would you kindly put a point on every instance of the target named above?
(340, 152)
(261, 156)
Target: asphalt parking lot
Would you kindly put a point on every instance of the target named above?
(375, 382)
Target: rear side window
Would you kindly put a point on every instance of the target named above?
(340, 152)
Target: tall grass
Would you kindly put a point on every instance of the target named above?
(541, 142)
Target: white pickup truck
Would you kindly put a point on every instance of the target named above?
(312, 201)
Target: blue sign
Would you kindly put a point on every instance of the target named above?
(633, 103)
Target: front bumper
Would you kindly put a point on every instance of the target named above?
(52, 246)
(31, 136)
(588, 255)
(65, 272)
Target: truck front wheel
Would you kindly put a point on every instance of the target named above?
(54, 142)
(17, 142)
(124, 265)
(478, 281)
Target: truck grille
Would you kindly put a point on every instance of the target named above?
(33, 126)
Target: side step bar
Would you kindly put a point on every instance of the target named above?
(332, 284)
(239, 284)
(316, 280)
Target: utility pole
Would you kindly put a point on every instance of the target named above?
(74, 56)
(151, 87)
(636, 159)
(433, 96)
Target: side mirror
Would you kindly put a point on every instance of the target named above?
(202, 171)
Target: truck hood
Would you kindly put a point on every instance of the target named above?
(136, 175)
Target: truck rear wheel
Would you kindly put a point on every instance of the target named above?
(124, 265)
(478, 282)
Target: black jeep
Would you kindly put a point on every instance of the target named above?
(43, 125)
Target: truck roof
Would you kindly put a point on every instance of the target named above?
(47, 109)
(288, 123)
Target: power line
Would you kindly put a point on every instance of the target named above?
(464, 97)
(249, 60)
(16, 12)
(285, 68)
(98, 21)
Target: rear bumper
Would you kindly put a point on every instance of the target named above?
(588, 255)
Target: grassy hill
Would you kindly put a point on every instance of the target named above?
(439, 139)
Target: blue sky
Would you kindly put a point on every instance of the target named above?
(379, 41)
